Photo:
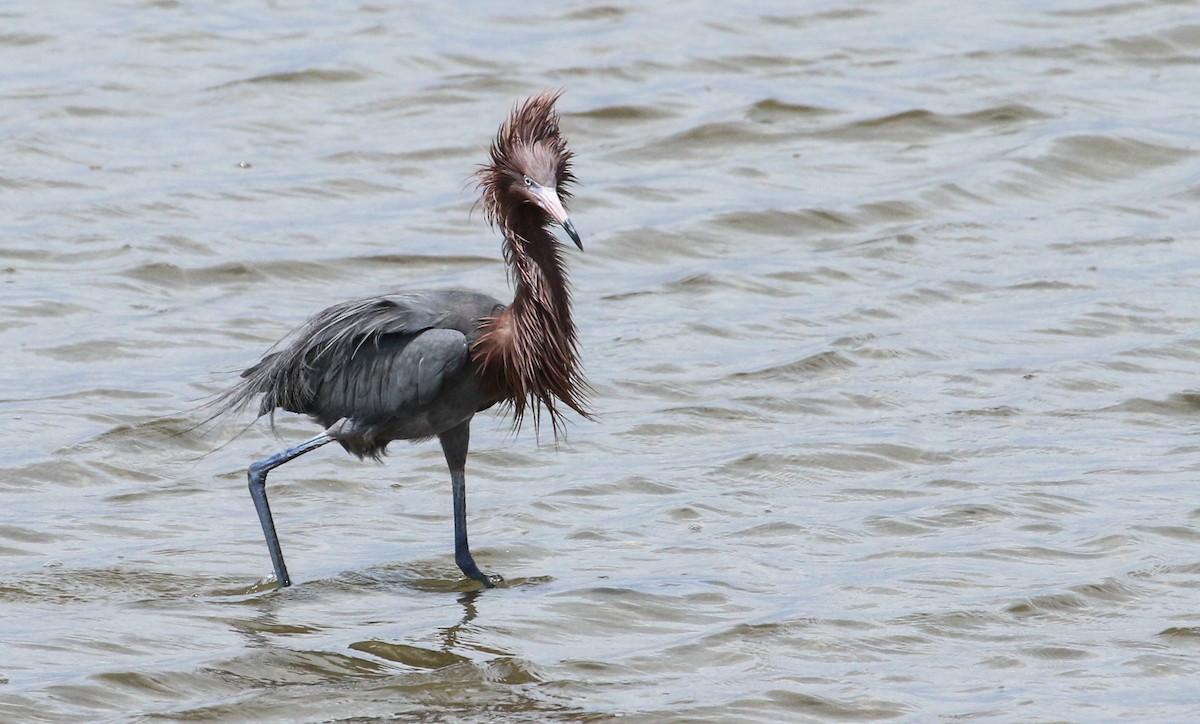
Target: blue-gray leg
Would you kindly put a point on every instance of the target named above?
(257, 475)
(454, 444)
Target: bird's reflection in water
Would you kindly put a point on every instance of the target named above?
(450, 633)
(429, 658)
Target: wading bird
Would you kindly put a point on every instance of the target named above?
(411, 366)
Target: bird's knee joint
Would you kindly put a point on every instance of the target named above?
(256, 474)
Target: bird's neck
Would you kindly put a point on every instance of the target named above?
(528, 353)
(542, 299)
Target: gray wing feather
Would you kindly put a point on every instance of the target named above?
(394, 375)
(367, 359)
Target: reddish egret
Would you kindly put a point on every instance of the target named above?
(410, 366)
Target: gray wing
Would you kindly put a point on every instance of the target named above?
(392, 376)
(366, 358)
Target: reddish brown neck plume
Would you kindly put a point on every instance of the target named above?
(528, 354)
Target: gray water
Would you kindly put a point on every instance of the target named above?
(889, 309)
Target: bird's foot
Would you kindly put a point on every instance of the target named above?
(489, 580)
(466, 564)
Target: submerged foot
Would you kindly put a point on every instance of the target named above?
(489, 580)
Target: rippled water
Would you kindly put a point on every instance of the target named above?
(890, 309)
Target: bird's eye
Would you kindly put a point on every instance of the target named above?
(528, 182)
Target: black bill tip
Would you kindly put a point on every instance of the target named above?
(570, 229)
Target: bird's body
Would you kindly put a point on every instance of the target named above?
(416, 365)
(394, 367)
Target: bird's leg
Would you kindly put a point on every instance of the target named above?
(454, 444)
(257, 475)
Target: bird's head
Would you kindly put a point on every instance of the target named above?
(530, 168)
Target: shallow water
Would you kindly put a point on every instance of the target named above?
(890, 312)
